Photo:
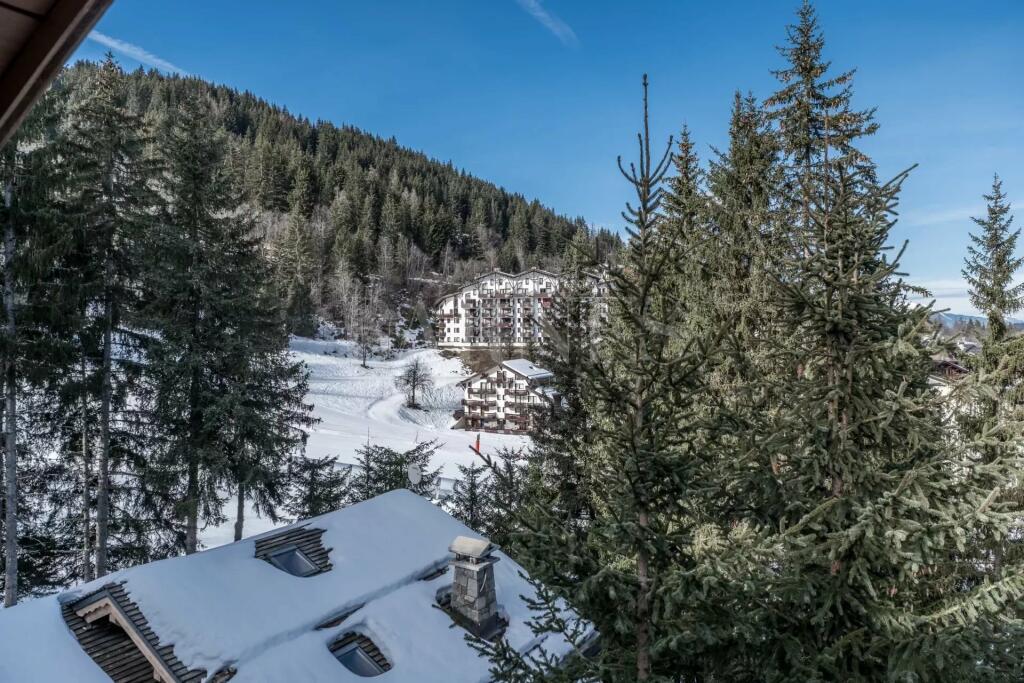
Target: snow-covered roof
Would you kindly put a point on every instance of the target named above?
(524, 367)
(226, 607)
(492, 273)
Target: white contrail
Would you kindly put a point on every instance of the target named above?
(135, 52)
(552, 23)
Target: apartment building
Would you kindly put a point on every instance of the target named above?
(506, 397)
(496, 309)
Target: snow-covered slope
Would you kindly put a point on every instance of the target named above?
(225, 606)
(357, 405)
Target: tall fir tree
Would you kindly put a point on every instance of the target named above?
(225, 394)
(877, 496)
(650, 448)
(991, 401)
(110, 204)
(992, 263)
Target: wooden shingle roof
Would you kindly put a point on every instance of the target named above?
(113, 648)
(306, 539)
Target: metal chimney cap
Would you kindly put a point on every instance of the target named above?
(477, 548)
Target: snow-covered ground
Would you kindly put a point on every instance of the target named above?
(359, 405)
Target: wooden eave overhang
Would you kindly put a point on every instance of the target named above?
(36, 38)
(132, 653)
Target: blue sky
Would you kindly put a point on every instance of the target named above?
(540, 96)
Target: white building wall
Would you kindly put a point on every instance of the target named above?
(497, 309)
(499, 400)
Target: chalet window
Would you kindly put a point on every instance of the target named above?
(360, 655)
(293, 561)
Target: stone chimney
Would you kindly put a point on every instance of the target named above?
(473, 595)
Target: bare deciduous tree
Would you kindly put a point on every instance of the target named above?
(415, 377)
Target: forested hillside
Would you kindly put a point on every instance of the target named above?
(337, 205)
(162, 236)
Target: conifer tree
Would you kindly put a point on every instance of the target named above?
(13, 218)
(650, 444)
(110, 201)
(226, 395)
(559, 456)
(469, 501)
(992, 264)
(990, 403)
(318, 486)
(877, 496)
(379, 469)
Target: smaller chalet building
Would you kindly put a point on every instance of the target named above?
(389, 587)
(506, 397)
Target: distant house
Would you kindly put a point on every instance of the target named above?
(389, 586)
(946, 369)
(506, 397)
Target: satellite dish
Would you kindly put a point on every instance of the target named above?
(415, 474)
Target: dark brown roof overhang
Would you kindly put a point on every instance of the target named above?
(36, 38)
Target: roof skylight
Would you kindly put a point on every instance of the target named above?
(292, 560)
(360, 655)
(357, 661)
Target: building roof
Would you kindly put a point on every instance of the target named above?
(36, 38)
(490, 273)
(522, 366)
(226, 608)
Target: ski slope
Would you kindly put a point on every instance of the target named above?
(357, 405)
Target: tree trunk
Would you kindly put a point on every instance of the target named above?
(192, 507)
(643, 652)
(86, 484)
(10, 412)
(240, 511)
(103, 487)
(192, 453)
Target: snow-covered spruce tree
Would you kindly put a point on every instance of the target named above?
(628, 574)
(225, 395)
(879, 500)
(990, 402)
(318, 486)
(379, 469)
(108, 205)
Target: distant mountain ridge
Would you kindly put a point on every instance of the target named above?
(950, 320)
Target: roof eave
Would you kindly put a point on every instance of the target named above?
(42, 54)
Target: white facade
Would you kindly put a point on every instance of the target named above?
(496, 309)
(505, 398)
